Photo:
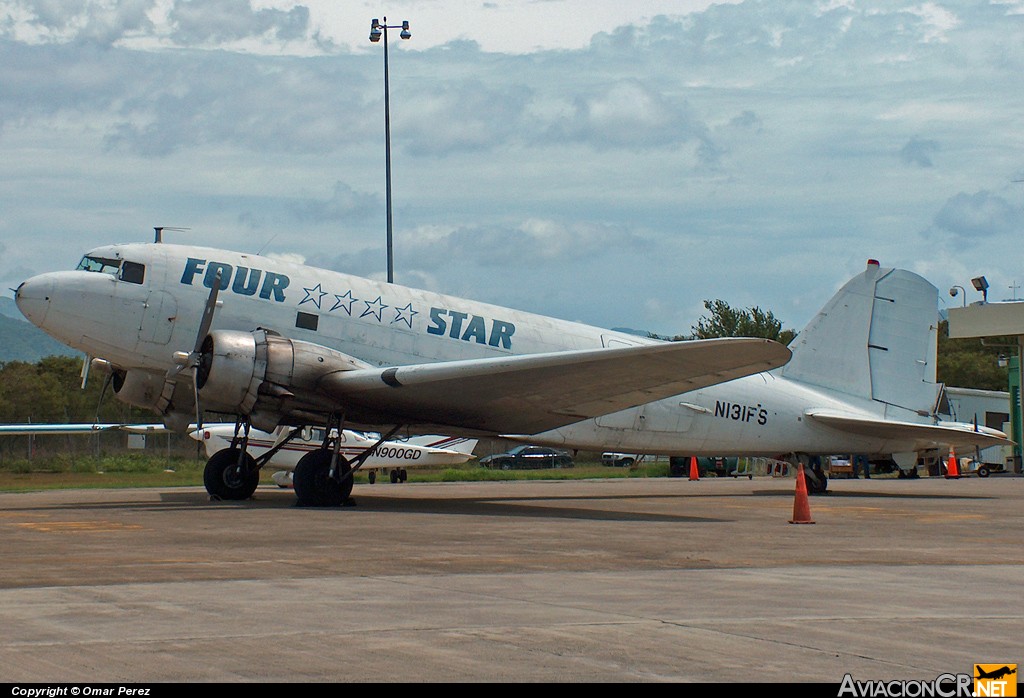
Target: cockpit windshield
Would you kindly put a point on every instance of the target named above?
(132, 272)
(100, 264)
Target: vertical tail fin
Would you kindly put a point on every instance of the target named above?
(876, 339)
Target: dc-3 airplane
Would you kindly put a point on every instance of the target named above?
(287, 344)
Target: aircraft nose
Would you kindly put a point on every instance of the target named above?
(33, 298)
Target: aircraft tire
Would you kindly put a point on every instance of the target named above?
(314, 485)
(817, 484)
(402, 475)
(394, 476)
(371, 477)
(223, 480)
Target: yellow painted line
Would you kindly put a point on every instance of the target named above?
(79, 526)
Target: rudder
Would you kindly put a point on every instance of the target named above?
(876, 339)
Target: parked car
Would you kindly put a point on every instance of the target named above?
(525, 456)
(618, 460)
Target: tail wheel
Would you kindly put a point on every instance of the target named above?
(314, 485)
(225, 478)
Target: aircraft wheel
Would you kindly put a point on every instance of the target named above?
(394, 476)
(223, 479)
(817, 483)
(371, 477)
(314, 485)
(402, 475)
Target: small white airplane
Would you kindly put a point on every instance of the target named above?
(288, 344)
(392, 457)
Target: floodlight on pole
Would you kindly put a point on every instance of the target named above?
(379, 29)
(980, 283)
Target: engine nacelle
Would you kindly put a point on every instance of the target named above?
(266, 376)
(146, 390)
(138, 388)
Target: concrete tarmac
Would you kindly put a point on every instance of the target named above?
(642, 580)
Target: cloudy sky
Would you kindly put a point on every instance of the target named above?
(570, 157)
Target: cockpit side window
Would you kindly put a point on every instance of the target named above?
(132, 272)
(99, 264)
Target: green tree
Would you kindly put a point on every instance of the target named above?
(968, 363)
(725, 321)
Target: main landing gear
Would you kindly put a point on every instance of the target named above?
(232, 473)
(323, 478)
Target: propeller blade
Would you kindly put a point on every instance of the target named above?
(195, 393)
(211, 306)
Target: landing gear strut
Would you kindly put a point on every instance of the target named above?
(817, 480)
(232, 473)
(323, 478)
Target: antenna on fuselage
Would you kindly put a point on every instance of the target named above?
(158, 231)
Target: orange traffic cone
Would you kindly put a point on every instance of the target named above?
(952, 466)
(694, 471)
(801, 506)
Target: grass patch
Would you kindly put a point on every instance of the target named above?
(64, 471)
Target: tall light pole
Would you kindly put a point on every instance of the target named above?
(378, 28)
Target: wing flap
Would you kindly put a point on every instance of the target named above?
(537, 392)
(940, 434)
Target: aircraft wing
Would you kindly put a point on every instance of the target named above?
(940, 434)
(536, 392)
(53, 429)
(62, 429)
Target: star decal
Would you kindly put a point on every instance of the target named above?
(375, 308)
(405, 314)
(313, 295)
(344, 302)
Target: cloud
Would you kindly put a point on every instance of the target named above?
(100, 21)
(626, 113)
(918, 151)
(979, 215)
(216, 21)
(453, 117)
(344, 204)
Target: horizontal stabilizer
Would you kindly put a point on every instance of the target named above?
(939, 435)
(537, 392)
(456, 444)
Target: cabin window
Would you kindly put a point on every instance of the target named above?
(132, 272)
(99, 264)
(306, 321)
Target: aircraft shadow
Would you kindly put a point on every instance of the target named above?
(558, 507)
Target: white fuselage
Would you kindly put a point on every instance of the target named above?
(390, 454)
(140, 325)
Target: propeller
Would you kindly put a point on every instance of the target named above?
(192, 360)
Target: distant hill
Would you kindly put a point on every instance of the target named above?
(8, 308)
(20, 340)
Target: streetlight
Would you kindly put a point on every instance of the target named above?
(980, 283)
(378, 28)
